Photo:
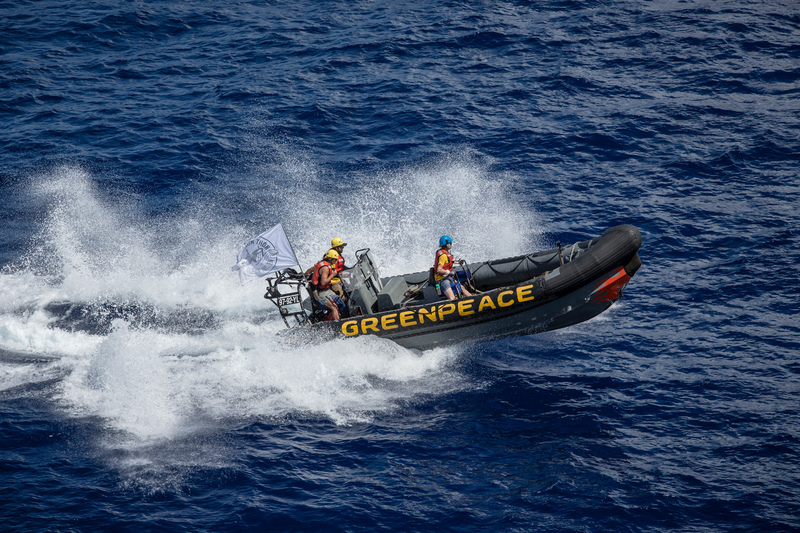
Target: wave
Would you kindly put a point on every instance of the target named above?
(151, 333)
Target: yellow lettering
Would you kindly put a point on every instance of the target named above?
(523, 292)
(407, 319)
(387, 321)
(446, 309)
(500, 301)
(369, 323)
(465, 307)
(350, 328)
(430, 314)
(486, 301)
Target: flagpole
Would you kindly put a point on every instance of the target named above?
(302, 272)
(303, 282)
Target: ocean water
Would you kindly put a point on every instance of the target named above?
(144, 142)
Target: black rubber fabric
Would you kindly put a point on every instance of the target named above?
(616, 247)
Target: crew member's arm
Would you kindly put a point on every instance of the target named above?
(326, 275)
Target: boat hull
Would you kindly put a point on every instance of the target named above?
(571, 293)
(571, 309)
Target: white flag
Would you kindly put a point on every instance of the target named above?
(267, 253)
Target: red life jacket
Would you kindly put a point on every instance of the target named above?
(317, 276)
(448, 265)
(339, 266)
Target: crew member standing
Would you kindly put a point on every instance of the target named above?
(443, 269)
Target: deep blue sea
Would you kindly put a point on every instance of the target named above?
(143, 143)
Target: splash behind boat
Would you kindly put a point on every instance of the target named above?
(519, 295)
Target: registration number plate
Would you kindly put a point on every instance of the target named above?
(289, 300)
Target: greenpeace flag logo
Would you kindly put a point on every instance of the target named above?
(267, 253)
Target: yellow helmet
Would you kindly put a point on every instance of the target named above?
(335, 243)
(332, 254)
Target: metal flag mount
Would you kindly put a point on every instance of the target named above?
(289, 303)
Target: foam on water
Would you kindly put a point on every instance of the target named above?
(105, 248)
(154, 386)
(401, 213)
(103, 283)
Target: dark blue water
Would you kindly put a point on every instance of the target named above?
(143, 143)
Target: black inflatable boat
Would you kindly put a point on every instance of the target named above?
(515, 296)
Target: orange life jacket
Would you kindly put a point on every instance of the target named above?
(317, 276)
(448, 265)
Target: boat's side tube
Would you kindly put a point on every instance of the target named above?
(513, 270)
(619, 241)
(617, 247)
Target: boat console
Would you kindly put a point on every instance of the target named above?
(363, 284)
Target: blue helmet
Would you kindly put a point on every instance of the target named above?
(444, 240)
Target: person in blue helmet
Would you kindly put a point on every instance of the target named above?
(443, 269)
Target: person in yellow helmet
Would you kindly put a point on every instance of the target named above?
(337, 245)
(321, 278)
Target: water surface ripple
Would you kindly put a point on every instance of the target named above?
(143, 143)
